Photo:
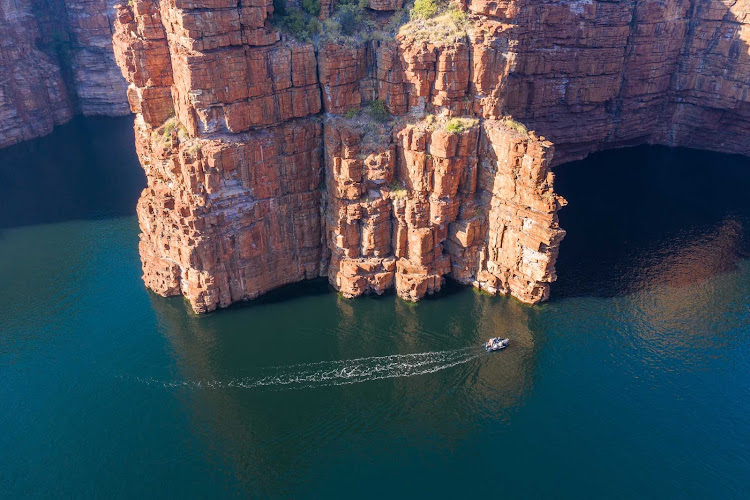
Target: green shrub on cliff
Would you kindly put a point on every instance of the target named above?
(518, 127)
(299, 24)
(353, 20)
(446, 26)
(331, 29)
(397, 190)
(165, 131)
(425, 9)
(398, 19)
(454, 127)
(296, 23)
(349, 18)
(169, 126)
(312, 7)
(378, 111)
(458, 125)
(458, 16)
(314, 26)
(361, 5)
(350, 24)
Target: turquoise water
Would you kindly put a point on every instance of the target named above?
(633, 381)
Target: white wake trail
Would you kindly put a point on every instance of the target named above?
(332, 373)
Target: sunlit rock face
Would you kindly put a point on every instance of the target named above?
(55, 60)
(267, 165)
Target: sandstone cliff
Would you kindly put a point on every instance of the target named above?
(393, 162)
(55, 61)
(593, 74)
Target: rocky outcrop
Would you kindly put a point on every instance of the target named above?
(397, 162)
(55, 61)
(233, 203)
(227, 220)
(594, 74)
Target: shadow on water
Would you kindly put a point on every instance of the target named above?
(412, 370)
(85, 169)
(650, 216)
(312, 287)
(321, 286)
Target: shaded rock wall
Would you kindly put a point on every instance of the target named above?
(265, 168)
(593, 74)
(55, 61)
(99, 86)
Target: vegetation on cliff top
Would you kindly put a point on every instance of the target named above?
(164, 133)
(458, 125)
(375, 110)
(517, 126)
(397, 190)
(434, 21)
(424, 9)
(446, 26)
(378, 111)
(350, 21)
(302, 24)
(354, 22)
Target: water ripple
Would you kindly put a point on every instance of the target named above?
(334, 373)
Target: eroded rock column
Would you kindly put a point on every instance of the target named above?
(523, 234)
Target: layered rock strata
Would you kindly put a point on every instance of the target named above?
(593, 74)
(97, 81)
(268, 164)
(56, 60)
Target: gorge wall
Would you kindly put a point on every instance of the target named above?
(56, 60)
(392, 162)
(592, 75)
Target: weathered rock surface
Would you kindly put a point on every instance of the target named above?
(33, 97)
(227, 220)
(593, 74)
(99, 86)
(55, 61)
(266, 165)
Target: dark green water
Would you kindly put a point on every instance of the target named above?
(634, 381)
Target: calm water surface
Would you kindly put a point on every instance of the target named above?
(633, 381)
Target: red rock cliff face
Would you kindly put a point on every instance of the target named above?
(99, 86)
(263, 170)
(592, 75)
(55, 60)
